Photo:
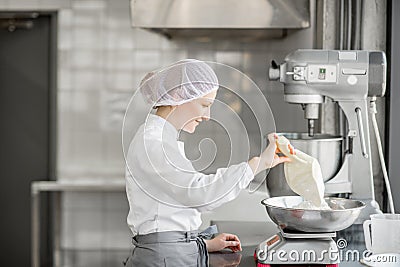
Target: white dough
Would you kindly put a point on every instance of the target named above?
(307, 205)
(303, 174)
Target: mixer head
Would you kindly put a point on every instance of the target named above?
(311, 75)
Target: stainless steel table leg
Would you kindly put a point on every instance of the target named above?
(35, 195)
(57, 229)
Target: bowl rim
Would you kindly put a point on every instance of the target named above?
(362, 204)
(326, 137)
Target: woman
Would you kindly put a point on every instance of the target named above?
(166, 194)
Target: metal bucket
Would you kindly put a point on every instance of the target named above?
(343, 213)
(327, 149)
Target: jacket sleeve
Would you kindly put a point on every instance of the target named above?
(164, 173)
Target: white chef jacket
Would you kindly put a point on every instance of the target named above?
(165, 192)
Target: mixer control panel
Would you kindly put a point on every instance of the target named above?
(322, 74)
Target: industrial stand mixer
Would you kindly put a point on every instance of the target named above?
(305, 237)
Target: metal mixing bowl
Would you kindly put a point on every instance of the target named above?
(343, 214)
(327, 149)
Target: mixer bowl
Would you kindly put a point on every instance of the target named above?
(343, 214)
(327, 149)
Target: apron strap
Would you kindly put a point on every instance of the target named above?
(174, 236)
(203, 259)
(181, 236)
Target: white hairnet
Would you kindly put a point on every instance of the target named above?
(179, 83)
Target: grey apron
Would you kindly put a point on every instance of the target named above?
(174, 248)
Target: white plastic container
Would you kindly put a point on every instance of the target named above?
(382, 233)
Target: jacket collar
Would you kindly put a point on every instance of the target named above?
(164, 126)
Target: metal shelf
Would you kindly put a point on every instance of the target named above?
(58, 187)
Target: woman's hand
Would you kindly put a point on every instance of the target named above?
(222, 241)
(272, 149)
(269, 158)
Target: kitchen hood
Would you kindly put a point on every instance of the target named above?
(245, 19)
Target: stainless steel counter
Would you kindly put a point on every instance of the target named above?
(250, 233)
(253, 233)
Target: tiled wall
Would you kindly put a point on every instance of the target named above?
(101, 61)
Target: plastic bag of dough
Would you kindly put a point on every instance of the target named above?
(303, 174)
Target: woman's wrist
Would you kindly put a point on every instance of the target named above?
(254, 164)
(208, 245)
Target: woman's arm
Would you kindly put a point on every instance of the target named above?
(165, 174)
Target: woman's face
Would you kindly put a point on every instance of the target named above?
(190, 114)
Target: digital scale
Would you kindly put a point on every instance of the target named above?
(289, 248)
